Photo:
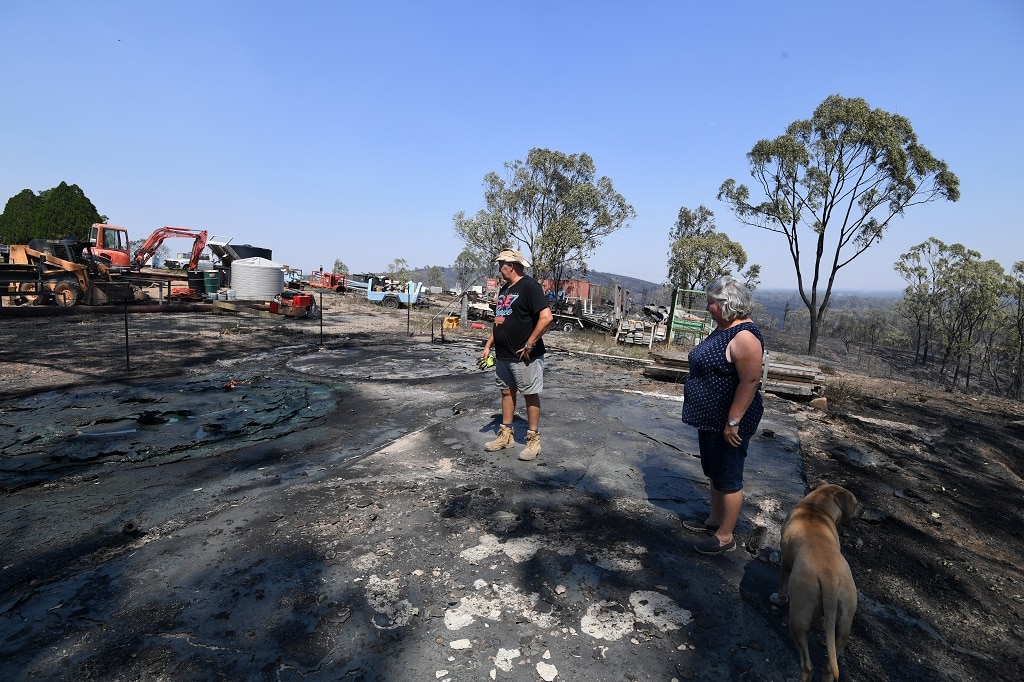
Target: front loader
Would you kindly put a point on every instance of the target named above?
(62, 271)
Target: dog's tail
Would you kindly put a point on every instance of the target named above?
(830, 616)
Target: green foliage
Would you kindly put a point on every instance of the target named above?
(339, 267)
(467, 266)
(484, 235)
(969, 308)
(840, 177)
(63, 211)
(1014, 358)
(18, 217)
(398, 270)
(698, 253)
(435, 278)
(553, 207)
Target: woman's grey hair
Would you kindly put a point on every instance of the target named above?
(734, 298)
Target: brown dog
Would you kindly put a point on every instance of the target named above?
(815, 578)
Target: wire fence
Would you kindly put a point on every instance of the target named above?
(75, 345)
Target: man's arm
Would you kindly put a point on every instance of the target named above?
(544, 318)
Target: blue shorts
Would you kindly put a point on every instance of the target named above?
(721, 462)
(525, 377)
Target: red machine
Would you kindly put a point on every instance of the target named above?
(149, 249)
(328, 280)
(109, 242)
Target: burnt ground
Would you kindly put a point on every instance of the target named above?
(942, 477)
(274, 509)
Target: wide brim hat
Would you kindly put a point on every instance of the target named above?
(511, 256)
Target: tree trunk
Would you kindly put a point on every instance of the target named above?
(812, 340)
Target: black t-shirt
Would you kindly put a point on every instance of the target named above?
(515, 315)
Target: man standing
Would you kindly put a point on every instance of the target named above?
(521, 317)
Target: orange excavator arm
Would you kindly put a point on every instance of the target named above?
(149, 248)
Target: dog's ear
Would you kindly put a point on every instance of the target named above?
(818, 484)
(847, 503)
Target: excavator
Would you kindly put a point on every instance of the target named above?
(152, 244)
(68, 272)
(110, 242)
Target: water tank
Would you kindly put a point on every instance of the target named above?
(256, 279)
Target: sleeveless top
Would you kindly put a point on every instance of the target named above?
(711, 384)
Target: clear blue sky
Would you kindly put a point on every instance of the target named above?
(356, 130)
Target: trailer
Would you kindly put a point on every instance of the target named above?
(393, 298)
(572, 316)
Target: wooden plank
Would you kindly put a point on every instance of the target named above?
(782, 387)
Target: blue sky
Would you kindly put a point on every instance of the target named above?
(356, 130)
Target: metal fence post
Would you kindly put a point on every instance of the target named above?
(127, 350)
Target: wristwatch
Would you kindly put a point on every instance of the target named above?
(734, 422)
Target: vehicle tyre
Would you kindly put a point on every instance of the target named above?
(66, 294)
(29, 292)
(390, 302)
(568, 327)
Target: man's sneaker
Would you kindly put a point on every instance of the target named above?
(532, 448)
(504, 440)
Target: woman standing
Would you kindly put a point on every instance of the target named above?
(722, 401)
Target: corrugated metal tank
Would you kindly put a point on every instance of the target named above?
(256, 279)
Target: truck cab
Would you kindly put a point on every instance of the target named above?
(110, 242)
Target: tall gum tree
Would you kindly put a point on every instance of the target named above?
(1016, 306)
(840, 177)
(483, 236)
(552, 206)
(698, 252)
(921, 268)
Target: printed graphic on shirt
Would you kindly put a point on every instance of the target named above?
(503, 307)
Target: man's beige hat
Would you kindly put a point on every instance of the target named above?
(511, 256)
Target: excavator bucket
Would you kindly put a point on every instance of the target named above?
(105, 293)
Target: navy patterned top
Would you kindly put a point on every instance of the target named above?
(711, 384)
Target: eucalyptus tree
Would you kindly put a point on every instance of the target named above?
(434, 276)
(1015, 304)
(553, 207)
(841, 177)
(398, 270)
(467, 266)
(969, 291)
(920, 268)
(484, 235)
(698, 252)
